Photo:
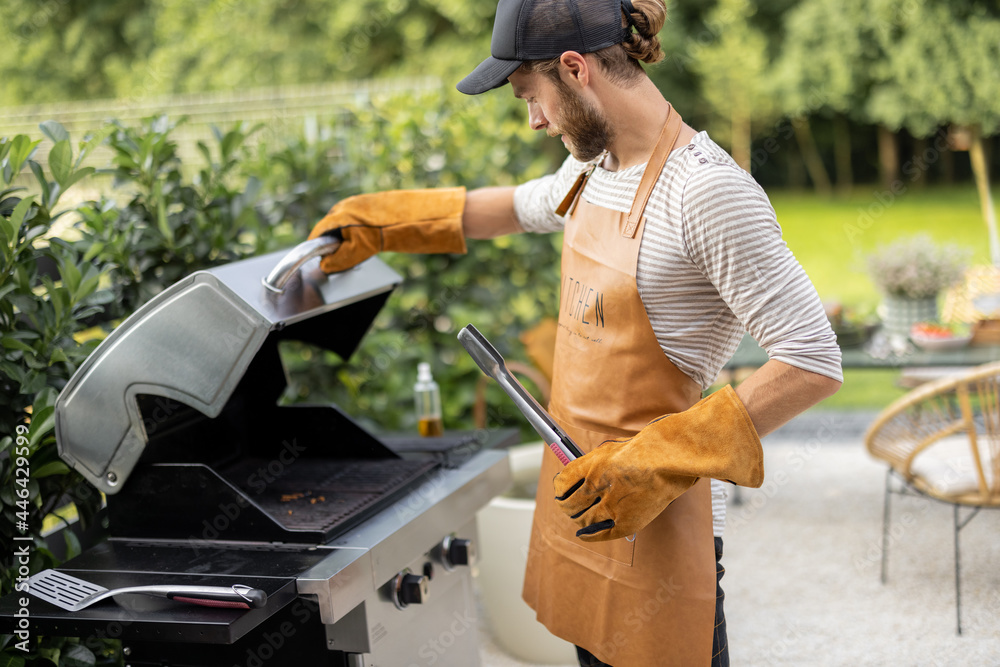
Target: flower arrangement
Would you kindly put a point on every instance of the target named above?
(917, 267)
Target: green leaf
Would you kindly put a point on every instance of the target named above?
(101, 297)
(70, 275)
(8, 232)
(92, 141)
(43, 182)
(54, 131)
(76, 176)
(61, 161)
(21, 210)
(34, 233)
(230, 142)
(163, 224)
(20, 150)
(93, 251)
(34, 362)
(73, 547)
(53, 198)
(42, 423)
(13, 344)
(5, 289)
(87, 312)
(77, 655)
(49, 469)
(8, 660)
(203, 148)
(58, 356)
(9, 191)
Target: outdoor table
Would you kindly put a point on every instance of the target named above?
(751, 355)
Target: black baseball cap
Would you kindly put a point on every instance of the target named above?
(543, 29)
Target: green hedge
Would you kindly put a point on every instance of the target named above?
(163, 220)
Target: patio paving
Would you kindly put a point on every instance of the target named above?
(803, 555)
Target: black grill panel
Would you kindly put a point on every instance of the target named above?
(326, 495)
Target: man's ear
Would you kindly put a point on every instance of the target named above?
(574, 69)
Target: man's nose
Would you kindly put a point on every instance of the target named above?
(536, 119)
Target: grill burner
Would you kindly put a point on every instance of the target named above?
(323, 495)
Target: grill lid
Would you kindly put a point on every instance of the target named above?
(194, 341)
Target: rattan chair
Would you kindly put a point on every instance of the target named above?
(942, 440)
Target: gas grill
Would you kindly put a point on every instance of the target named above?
(361, 541)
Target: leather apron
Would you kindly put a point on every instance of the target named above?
(649, 601)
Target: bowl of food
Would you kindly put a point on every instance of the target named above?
(852, 328)
(934, 336)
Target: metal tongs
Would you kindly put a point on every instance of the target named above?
(490, 361)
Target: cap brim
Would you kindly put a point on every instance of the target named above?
(491, 73)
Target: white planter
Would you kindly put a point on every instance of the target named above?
(504, 531)
(901, 313)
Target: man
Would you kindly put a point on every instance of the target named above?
(670, 252)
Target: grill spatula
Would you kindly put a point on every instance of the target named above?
(73, 594)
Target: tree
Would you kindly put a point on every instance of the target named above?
(228, 45)
(941, 69)
(732, 67)
(825, 64)
(69, 49)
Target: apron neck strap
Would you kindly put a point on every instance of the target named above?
(664, 145)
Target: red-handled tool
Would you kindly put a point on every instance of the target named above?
(73, 594)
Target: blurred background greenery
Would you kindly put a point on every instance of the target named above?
(864, 119)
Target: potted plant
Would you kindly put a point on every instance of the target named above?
(911, 272)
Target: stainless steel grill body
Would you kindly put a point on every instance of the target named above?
(358, 540)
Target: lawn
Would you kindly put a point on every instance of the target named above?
(831, 237)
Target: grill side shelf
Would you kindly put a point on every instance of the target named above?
(138, 617)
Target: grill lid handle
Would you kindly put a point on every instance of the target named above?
(321, 245)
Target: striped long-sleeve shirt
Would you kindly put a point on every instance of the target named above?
(712, 264)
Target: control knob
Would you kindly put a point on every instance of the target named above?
(456, 551)
(409, 588)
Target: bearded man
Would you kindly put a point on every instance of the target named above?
(671, 251)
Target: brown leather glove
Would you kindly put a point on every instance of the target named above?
(618, 488)
(418, 221)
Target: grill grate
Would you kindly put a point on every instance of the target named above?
(325, 495)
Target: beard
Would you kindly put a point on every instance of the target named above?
(586, 130)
